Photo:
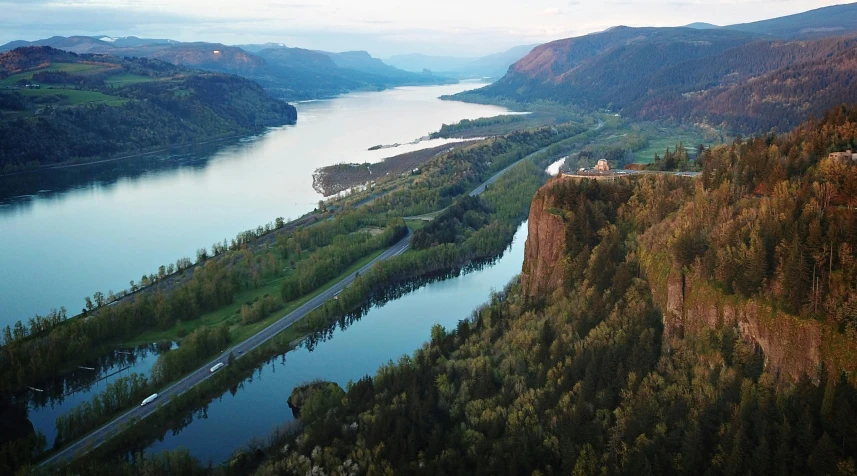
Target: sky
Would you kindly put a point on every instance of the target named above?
(382, 27)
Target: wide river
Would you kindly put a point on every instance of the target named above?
(67, 233)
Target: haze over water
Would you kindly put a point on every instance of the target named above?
(102, 225)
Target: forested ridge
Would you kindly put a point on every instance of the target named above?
(737, 80)
(286, 73)
(72, 108)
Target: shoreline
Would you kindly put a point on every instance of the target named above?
(70, 164)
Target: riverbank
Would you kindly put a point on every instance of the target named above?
(337, 178)
(82, 162)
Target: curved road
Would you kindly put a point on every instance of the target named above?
(99, 436)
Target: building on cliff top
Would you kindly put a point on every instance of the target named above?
(843, 156)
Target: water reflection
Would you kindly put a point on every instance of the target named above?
(392, 293)
(396, 324)
(20, 191)
(44, 402)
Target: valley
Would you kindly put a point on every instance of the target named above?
(629, 251)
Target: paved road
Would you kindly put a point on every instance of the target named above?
(99, 436)
(622, 173)
(478, 190)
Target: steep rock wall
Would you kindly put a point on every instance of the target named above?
(544, 253)
(792, 346)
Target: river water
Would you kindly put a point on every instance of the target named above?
(67, 233)
(383, 334)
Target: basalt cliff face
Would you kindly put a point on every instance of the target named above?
(691, 306)
(544, 253)
(792, 346)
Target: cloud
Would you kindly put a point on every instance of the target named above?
(551, 11)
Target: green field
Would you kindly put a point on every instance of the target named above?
(661, 138)
(125, 79)
(71, 68)
(75, 96)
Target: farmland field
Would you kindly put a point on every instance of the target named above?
(124, 79)
(70, 68)
(74, 96)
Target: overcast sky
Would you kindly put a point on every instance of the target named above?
(383, 27)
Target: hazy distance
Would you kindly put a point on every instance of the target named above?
(382, 27)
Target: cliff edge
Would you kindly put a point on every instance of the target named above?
(544, 252)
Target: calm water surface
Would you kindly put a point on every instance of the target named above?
(67, 391)
(65, 234)
(385, 333)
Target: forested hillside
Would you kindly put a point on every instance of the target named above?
(835, 19)
(286, 73)
(741, 81)
(581, 379)
(58, 107)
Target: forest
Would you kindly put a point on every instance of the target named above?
(93, 114)
(578, 381)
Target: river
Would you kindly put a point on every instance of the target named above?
(67, 233)
(383, 334)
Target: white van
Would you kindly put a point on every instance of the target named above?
(149, 399)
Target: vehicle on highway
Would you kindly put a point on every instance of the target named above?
(216, 367)
(151, 398)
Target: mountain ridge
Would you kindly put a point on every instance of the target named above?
(281, 73)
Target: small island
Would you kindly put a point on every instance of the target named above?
(314, 398)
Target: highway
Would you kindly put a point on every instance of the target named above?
(99, 436)
(478, 190)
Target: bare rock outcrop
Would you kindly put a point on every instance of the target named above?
(544, 253)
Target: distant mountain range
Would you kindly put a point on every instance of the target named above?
(751, 77)
(490, 66)
(287, 73)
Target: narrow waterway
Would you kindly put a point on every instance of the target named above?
(55, 397)
(383, 334)
(67, 233)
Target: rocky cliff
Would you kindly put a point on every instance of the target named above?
(544, 253)
(792, 346)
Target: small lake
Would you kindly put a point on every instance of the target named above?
(66, 233)
(383, 334)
